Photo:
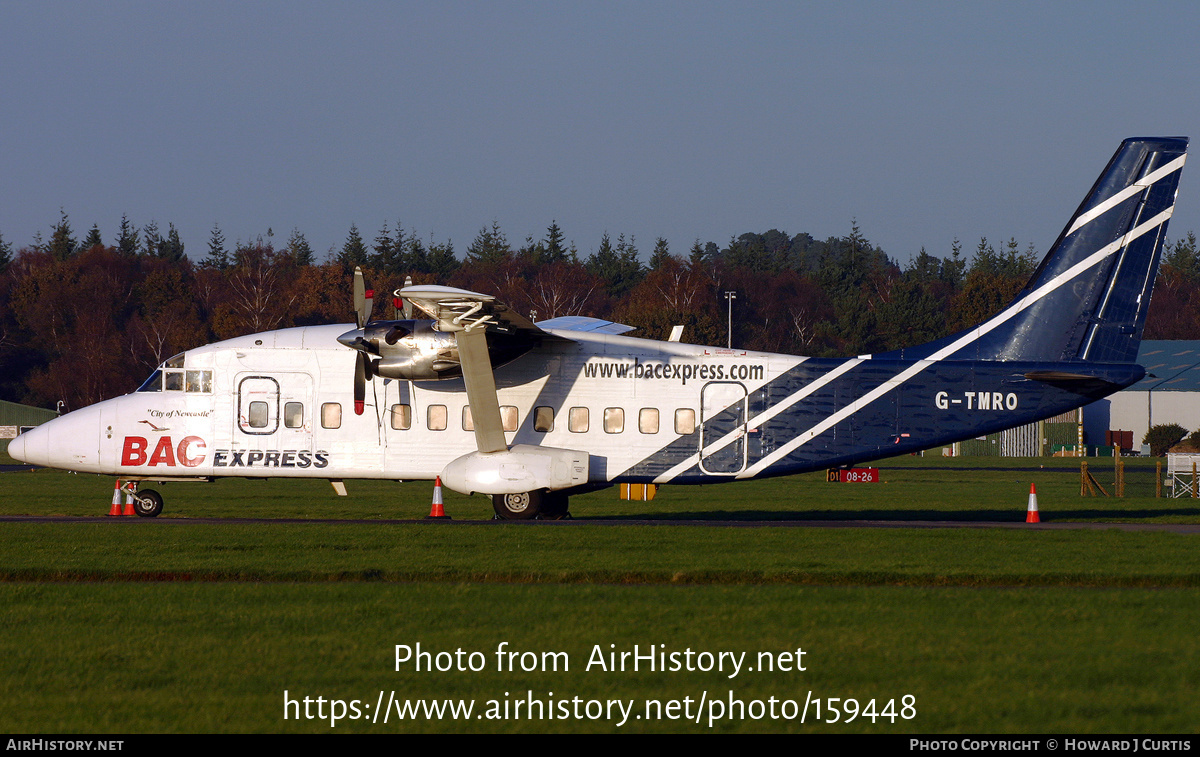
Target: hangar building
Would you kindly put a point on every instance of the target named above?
(1170, 393)
(14, 416)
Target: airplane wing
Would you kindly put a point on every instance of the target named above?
(583, 323)
(470, 316)
(460, 309)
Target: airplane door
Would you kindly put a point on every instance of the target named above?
(258, 405)
(275, 416)
(722, 412)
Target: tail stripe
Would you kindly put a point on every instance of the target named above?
(941, 354)
(1129, 191)
(1054, 284)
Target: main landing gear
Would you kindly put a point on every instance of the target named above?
(541, 504)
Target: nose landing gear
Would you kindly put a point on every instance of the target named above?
(147, 503)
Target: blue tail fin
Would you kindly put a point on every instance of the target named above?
(1088, 298)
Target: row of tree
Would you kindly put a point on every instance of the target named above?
(82, 320)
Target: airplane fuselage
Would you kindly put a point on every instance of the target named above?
(279, 404)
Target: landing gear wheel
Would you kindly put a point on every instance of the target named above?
(147, 503)
(554, 506)
(520, 506)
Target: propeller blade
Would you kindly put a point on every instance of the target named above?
(361, 369)
(408, 308)
(362, 304)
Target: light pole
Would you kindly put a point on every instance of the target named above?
(729, 297)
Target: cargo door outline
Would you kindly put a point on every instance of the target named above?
(722, 412)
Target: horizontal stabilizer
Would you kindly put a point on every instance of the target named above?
(1076, 382)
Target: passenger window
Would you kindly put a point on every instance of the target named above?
(543, 419)
(614, 420)
(508, 417)
(293, 414)
(174, 381)
(437, 417)
(258, 414)
(402, 417)
(198, 381)
(577, 420)
(685, 421)
(648, 420)
(468, 421)
(331, 415)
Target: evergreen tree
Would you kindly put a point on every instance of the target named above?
(532, 252)
(660, 255)
(954, 269)
(299, 248)
(93, 239)
(387, 254)
(631, 271)
(414, 258)
(171, 248)
(62, 242)
(442, 262)
(923, 269)
(696, 256)
(555, 252)
(383, 251)
(618, 267)
(489, 246)
(218, 256)
(1182, 259)
(603, 263)
(127, 238)
(5, 254)
(151, 239)
(354, 250)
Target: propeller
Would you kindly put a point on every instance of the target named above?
(364, 301)
(362, 372)
(362, 363)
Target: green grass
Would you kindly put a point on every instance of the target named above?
(218, 657)
(912, 489)
(134, 625)
(581, 553)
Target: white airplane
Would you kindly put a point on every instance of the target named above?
(532, 413)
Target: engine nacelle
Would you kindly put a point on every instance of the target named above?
(521, 468)
(414, 350)
(411, 350)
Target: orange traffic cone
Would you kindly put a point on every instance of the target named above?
(129, 503)
(115, 510)
(1031, 514)
(436, 510)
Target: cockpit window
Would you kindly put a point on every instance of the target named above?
(175, 362)
(152, 384)
(174, 381)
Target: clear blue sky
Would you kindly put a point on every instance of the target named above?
(925, 121)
